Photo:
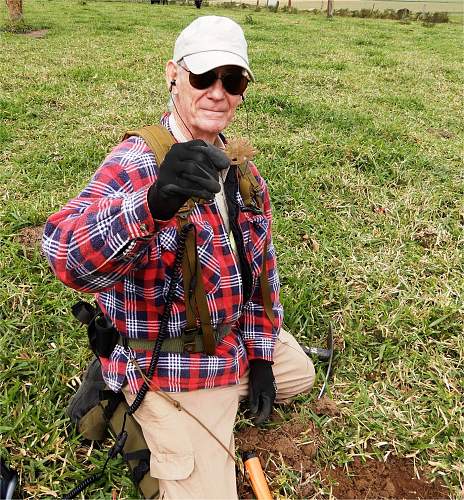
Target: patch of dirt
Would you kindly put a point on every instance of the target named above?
(338, 344)
(30, 237)
(442, 132)
(426, 237)
(326, 406)
(36, 33)
(392, 479)
(293, 444)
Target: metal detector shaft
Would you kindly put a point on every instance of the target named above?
(329, 366)
(323, 355)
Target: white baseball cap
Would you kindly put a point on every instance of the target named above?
(210, 42)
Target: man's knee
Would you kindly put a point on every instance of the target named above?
(308, 375)
(293, 369)
(301, 379)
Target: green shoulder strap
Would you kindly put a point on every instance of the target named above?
(251, 194)
(249, 188)
(157, 137)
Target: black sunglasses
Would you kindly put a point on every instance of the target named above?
(234, 81)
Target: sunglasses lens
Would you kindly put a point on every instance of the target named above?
(235, 83)
(202, 81)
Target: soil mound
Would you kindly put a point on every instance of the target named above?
(392, 479)
(293, 445)
(326, 406)
(29, 238)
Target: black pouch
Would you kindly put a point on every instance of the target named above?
(102, 334)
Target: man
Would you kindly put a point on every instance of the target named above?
(119, 240)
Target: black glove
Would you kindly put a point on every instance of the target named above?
(262, 391)
(189, 169)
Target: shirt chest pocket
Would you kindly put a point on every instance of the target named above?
(254, 229)
(206, 252)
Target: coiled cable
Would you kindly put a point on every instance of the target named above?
(163, 330)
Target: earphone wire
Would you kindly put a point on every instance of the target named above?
(246, 115)
(181, 119)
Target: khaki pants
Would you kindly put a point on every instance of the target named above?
(188, 462)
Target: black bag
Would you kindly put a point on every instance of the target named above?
(96, 411)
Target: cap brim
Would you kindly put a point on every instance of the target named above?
(205, 61)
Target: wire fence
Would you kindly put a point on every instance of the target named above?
(412, 5)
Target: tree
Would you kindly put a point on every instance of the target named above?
(15, 10)
(330, 8)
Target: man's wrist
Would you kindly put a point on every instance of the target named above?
(260, 362)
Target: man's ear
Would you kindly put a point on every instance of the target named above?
(171, 75)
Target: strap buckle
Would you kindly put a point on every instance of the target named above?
(186, 209)
(188, 339)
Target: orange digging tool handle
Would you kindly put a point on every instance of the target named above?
(256, 476)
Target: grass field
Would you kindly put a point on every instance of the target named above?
(359, 126)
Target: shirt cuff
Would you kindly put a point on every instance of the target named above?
(260, 349)
(140, 223)
(139, 226)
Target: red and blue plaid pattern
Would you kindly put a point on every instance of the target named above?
(105, 242)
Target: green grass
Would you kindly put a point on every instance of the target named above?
(359, 128)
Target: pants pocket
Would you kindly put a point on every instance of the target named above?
(166, 436)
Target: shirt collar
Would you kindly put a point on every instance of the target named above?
(180, 137)
(176, 131)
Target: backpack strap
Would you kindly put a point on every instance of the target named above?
(249, 188)
(157, 137)
(194, 291)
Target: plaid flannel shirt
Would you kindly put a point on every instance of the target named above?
(106, 242)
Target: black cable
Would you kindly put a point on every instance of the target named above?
(82, 486)
(164, 319)
(181, 119)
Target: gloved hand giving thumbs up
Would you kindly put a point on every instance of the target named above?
(189, 169)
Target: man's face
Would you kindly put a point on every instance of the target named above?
(208, 111)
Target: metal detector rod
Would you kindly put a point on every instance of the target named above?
(330, 349)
